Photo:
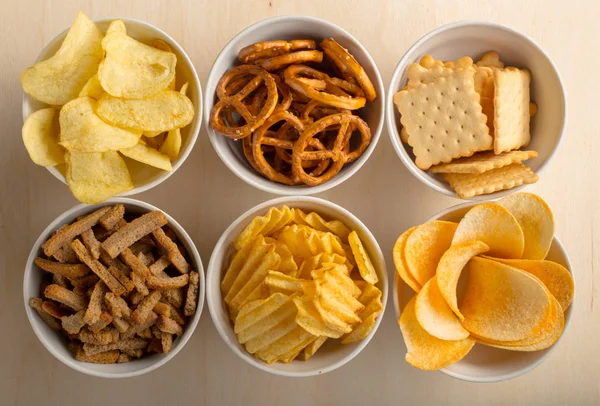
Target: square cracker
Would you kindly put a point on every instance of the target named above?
(484, 86)
(511, 109)
(483, 162)
(443, 119)
(474, 184)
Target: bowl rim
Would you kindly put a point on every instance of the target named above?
(394, 85)
(505, 377)
(194, 130)
(71, 362)
(243, 172)
(214, 299)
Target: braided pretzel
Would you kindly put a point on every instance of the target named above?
(270, 49)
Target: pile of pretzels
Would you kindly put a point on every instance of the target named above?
(296, 122)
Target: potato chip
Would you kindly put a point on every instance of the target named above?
(313, 347)
(163, 46)
(311, 263)
(172, 144)
(40, 135)
(82, 130)
(134, 70)
(370, 298)
(270, 223)
(310, 319)
(536, 220)
(555, 277)
(279, 282)
(60, 78)
(116, 27)
(424, 351)
(97, 176)
(148, 156)
(425, 246)
(502, 303)
(304, 241)
(365, 266)
(400, 261)
(435, 316)
(450, 268)
(287, 265)
(319, 223)
(287, 347)
(92, 88)
(493, 225)
(341, 275)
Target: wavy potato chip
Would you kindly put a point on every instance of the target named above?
(304, 241)
(365, 266)
(400, 260)
(82, 130)
(425, 351)
(536, 220)
(281, 283)
(148, 156)
(60, 78)
(313, 347)
(97, 176)
(310, 264)
(40, 135)
(131, 69)
(92, 88)
(270, 223)
(370, 297)
(493, 225)
(317, 222)
(310, 319)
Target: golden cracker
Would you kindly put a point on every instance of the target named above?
(511, 109)
(491, 59)
(483, 162)
(474, 184)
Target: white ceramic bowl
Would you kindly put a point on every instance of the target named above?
(474, 38)
(57, 344)
(290, 27)
(489, 364)
(144, 177)
(333, 354)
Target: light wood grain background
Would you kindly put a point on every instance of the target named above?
(204, 196)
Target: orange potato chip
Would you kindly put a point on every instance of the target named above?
(400, 261)
(425, 351)
(365, 266)
(425, 246)
(450, 267)
(493, 225)
(536, 220)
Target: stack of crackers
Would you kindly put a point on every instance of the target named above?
(467, 121)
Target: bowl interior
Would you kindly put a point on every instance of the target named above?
(475, 39)
(288, 28)
(144, 177)
(56, 343)
(332, 354)
(483, 363)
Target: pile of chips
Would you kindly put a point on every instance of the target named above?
(514, 299)
(297, 280)
(451, 110)
(110, 96)
(296, 123)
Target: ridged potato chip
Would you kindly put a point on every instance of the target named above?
(536, 220)
(40, 135)
(493, 225)
(313, 347)
(82, 130)
(92, 88)
(426, 352)
(97, 176)
(320, 224)
(281, 283)
(400, 260)
(270, 223)
(311, 263)
(148, 156)
(304, 241)
(310, 319)
(370, 297)
(365, 266)
(134, 70)
(60, 78)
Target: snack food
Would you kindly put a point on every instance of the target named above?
(90, 82)
(113, 307)
(505, 301)
(467, 121)
(296, 123)
(296, 280)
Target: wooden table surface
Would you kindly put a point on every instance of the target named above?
(205, 197)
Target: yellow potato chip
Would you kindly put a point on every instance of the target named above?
(313, 347)
(60, 78)
(172, 144)
(493, 225)
(40, 135)
(450, 268)
(163, 46)
(287, 347)
(310, 319)
(365, 266)
(163, 111)
(483, 161)
(425, 246)
(502, 303)
(341, 275)
(97, 176)
(435, 316)
(319, 223)
(148, 156)
(304, 241)
(288, 264)
(536, 220)
(279, 282)
(400, 261)
(92, 88)
(309, 264)
(134, 70)
(116, 27)
(370, 298)
(266, 225)
(82, 130)
(424, 351)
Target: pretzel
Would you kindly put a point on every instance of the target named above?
(338, 93)
(236, 101)
(281, 61)
(339, 153)
(270, 49)
(348, 66)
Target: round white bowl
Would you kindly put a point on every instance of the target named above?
(474, 38)
(333, 354)
(483, 363)
(144, 177)
(56, 343)
(290, 27)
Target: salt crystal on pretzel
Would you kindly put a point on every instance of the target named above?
(62, 236)
(191, 300)
(173, 252)
(84, 256)
(70, 271)
(91, 243)
(161, 283)
(167, 325)
(72, 324)
(66, 297)
(128, 344)
(94, 309)
(36, 304)
(54, 310)
(140, 314)
(112, 217)
(116, 305)
(159, 265)
(132, 232)
(104, 320)
(136, 328)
